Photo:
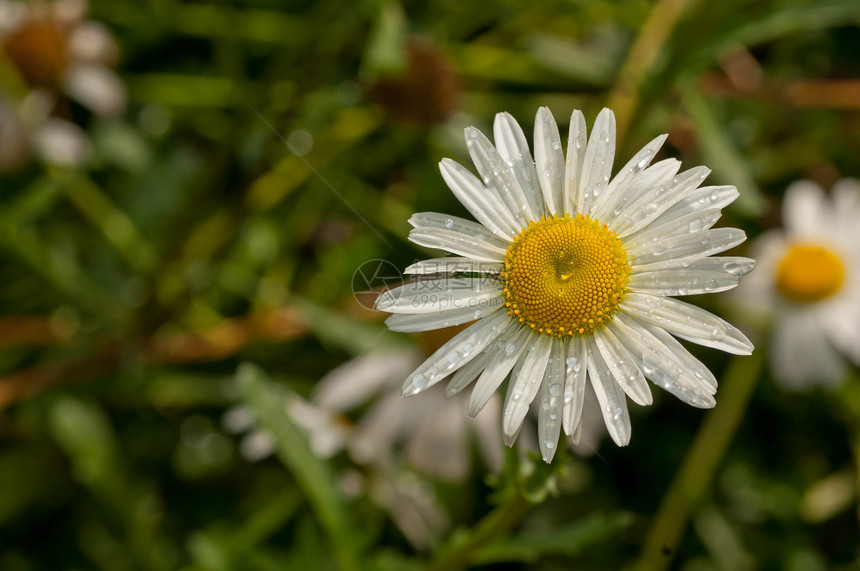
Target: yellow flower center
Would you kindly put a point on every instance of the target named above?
(809, 273)
(564, 275)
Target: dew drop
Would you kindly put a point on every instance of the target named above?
(510, 348)
(644, 160)
(549, 443)
(555, 390)
(454, 357)
(419, 381)
(449, 223)
(467, 348)
(556, 145)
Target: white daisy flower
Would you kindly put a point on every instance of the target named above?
(808, 284)
(569, 275)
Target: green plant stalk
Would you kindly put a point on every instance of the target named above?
(624, 97)
(699, 465)
(494, 525)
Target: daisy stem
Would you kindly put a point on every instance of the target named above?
(701, 462)
(496, 523)
(624, 97)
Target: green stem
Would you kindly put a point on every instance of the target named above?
(624, 97)
(494, 525)
(702, 459)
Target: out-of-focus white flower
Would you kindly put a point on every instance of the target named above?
(28, 128)
(807, 285)
(570, 275)
(434, 438)
(55, 50)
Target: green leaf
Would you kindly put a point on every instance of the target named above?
(729, 165)
(569, 540)
(269, 402)
(85, 434)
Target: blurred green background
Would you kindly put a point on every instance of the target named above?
(199, 206)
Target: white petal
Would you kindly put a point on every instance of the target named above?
(97, 88)
(700, 374)
(639, 191)
(800, 355)
(735, 265)
(689, 276)
(457, 243)
(597, 163)
(451, 265)
(613, 403)
(576, 143)
(687, 321)
(454, 354)
(356, 382)
(93, 42)
(841, 323)
(846, 204)
(549, 160)
(574, 384)
(438, 446)
(624, 370)
(456, 224)
(432, 296)
(803, 210)
(469, 372)
(702, 244)
(61, 143)
(498, 175)
(687, 224)
(709, 197)
(478, 200)
(513, 147)
(663, 366)
(624, 185)
(502, 361)
(413, 323)
(524, 386)
(551, 401)
(656, 190)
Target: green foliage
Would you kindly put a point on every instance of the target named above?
(198, 264)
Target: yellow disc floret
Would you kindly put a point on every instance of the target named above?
(809, 273)
(565, 275)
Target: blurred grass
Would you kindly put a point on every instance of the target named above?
(193, 242)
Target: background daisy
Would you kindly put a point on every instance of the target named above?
(808, 285)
